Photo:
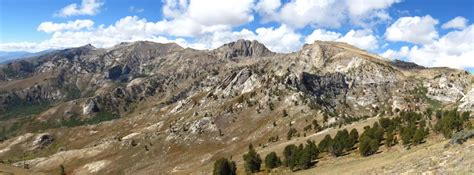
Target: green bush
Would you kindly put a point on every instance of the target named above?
(223, 166)
(272, 160)
(368, 146)
(291, 133)
(252, 160)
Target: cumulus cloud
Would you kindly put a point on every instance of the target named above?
(364, 7)
(456, 23)
(268, 8)
(323, 35)
(417, 30)
(197, 17)
(127, 29)
(50, 27)
(281, 39)
(363, 39)
(324, 13)
(455, 49)
(393, 54)
(87, 7)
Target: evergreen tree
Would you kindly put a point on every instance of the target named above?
(368, 146)
(325, 144)
(418, 136)
(385, 122)
(369, 141)
(272, 160)
(252, 161)
(304, 158)
(407, 133)
(289, 153)
(223, 166)
(339, 143)
(313, 149)
(354, 136)
(389, 138)
(316, 126)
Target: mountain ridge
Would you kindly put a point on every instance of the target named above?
(135, 106)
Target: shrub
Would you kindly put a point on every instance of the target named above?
(272, 160)
(291, 133)
(252, 161)
(223, 166)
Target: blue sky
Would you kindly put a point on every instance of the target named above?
(430, 33)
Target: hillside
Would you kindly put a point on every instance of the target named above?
(152, 108)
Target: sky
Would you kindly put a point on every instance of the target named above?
(430, 33)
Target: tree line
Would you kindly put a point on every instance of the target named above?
(411, 128)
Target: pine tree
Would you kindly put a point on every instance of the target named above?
(223, 166)
(325, 143)
(419, 136)
(354, 136)
(304, 158)
(389, 138)
(252, 160)
(316, 126)
(368, 146)
(289, 154)
(272, 160)
(338, 144)
(313, 149)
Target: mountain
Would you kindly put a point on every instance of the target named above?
(8, 56)
(152, 108)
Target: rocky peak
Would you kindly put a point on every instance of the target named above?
(243, 48)
(88, 46)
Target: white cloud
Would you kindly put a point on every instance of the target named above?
(393, 54)
(362, 7)
(50, 27)
(281, 39)
(197, 17)
(88, 7)
(417, 30)
(455, 49)
(128, 29)
(322, 35)
(359, 38)
(456, 23)
(300, 13)
(268, 8)
(134, 9)
(325, 13)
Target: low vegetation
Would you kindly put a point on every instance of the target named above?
(412, 128)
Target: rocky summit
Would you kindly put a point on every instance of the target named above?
(153, 108)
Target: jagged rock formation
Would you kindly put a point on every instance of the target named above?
(173, 100)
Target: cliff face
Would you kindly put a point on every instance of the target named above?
(173, 100)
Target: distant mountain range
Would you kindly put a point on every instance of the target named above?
(6, 56)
